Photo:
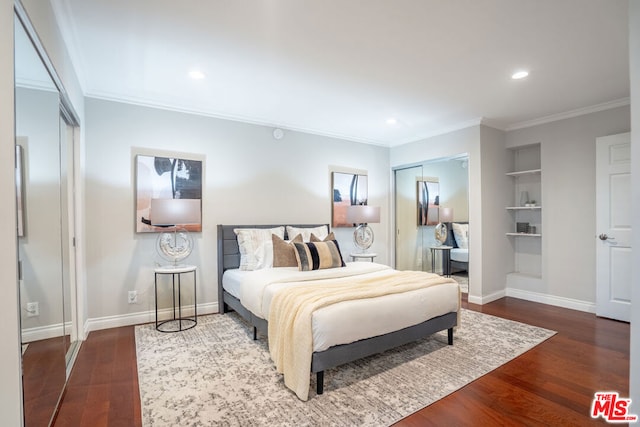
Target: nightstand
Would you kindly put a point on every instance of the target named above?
(446, 259)
(177, 322)
(363, 255)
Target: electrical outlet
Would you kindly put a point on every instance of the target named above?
(133, 297)
(33, 309)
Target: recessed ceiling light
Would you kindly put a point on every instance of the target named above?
(392, 121)
(196, 75)
(519, 75)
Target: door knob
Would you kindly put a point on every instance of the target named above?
(603, 236)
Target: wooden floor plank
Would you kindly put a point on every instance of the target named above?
(552, 384)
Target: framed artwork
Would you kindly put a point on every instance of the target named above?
(347, 189)
(160, 177)
(19, 190)
(428, 201)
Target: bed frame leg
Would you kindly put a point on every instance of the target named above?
(450, 336)
(320, 382)
(255, 333)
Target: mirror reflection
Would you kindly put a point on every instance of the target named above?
(432, 216)
(43, 233)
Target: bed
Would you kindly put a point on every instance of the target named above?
(232, 297)
(459, 253)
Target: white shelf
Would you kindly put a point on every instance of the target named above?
(523, 208)
(528, 172)
(526, 177)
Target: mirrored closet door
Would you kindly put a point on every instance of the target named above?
(44, 206)
(410, 254)
(432, 197)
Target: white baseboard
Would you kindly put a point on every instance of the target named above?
(570, 303)
(44, 332)
(139, 318)
(486, 299)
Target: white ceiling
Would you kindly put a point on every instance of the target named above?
(342, 67)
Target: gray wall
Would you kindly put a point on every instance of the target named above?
(496, 193)
(249, 178)
(568, 158)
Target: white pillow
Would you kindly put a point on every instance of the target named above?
(256, 248)
(264, 256)
(320, 232)
(461, 234)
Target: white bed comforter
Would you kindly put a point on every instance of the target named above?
(257, 288)
(347, 321)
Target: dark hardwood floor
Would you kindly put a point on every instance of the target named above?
(551, 385)
(103, 387)
(43, 376)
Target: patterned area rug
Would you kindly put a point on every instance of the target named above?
(215, 374)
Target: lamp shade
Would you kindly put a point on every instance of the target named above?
(363, 214)
(445, 214)
(169, 212)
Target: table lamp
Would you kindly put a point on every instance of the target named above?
(175, 244)
(362, 215)
(444, 215)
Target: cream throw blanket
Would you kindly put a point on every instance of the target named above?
(290, 334)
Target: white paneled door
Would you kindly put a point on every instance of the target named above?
(613, 222)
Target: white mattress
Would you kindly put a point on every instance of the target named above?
(346, 321)
(232, 281)
(460, 255)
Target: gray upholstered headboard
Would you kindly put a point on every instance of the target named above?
(228, 251)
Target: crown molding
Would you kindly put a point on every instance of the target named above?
(232, 117)
(570, 114)
(387, 144)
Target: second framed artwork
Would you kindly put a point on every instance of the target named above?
(164, 176)
(348, 189)
(428, 201)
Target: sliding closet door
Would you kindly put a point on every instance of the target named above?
(67, 203)
(45, 235)
(409, 250)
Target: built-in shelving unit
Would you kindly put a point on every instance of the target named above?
(527, 188)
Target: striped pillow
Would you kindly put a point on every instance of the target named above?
(318, 255)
